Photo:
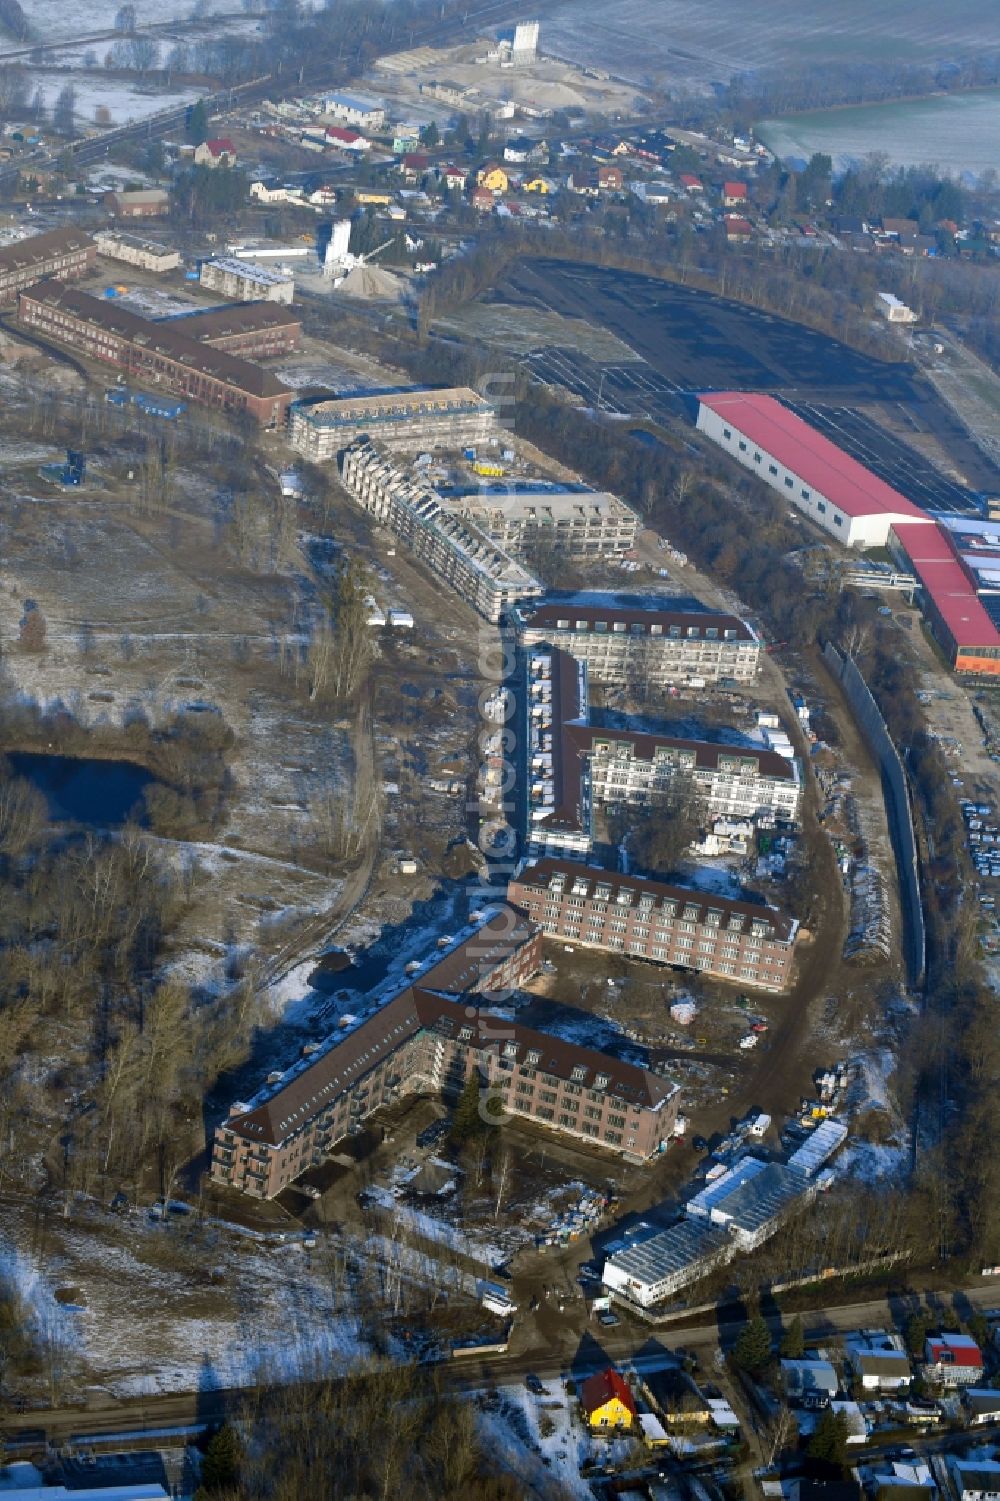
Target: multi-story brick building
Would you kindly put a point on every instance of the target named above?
(406, 418)
(424, 1039)
(252, 330)
(627, 640)
(746, 943)
(466, 559)
(156, 353)
(584, 524)
(61, 253)
(574, 766)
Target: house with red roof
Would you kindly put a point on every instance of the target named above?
(217, 153)
(454, 178)
(607, 1401)
(952, 1359)
(738, 229)
(734, 195)
(691, 184)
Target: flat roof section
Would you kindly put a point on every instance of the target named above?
(947, 583)
(693, 624)
(851, 487)
(390, 406)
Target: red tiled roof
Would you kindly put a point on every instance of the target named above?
(603, 1387)
(734, 189)
(220, 146)
(818, 462)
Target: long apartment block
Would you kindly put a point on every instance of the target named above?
(627, 640)
(407, 418)
(465, 558)
(574, 766)
(428, 1038)
(744, 942)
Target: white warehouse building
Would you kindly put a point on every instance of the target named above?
(836, 492)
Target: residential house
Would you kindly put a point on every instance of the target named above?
(905, 1480)
(975, 1479)
(607, 1401)
(610, 178)
(691, 184)
(982, 1405)
(454, 178)
(734, 195)
(676, 1397)
(494, 177)
(655, 194)
(518, 150)
(880, 1370)
(893, 228)
(414, 165)
(542, 185)
(483, 200)
(583, 180)
(854, 1421)
(888, 1488)
(738, 229)
(953, 1359)
(405, 138)
(811, 1383)
(217, 153)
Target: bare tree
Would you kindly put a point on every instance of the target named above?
(125, 20)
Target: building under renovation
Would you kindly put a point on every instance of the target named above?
(466, 559)
(406, 419)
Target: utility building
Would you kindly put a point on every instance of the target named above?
(843, 497)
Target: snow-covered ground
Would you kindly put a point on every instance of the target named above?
(124, 100)
(51, 20)
(541, 1440)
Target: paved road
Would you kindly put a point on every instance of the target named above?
(641, 1347)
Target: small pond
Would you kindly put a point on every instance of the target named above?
(83, 790)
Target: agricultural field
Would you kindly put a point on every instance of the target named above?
(669, 42)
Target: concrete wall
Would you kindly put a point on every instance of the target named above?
(897, 806)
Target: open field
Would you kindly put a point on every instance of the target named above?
(672, 42)
(681, 341)
(698, 341)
